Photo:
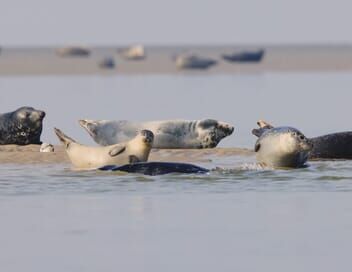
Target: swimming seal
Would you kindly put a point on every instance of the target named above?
(157, 168)
(22, 126)
(89, 157)
(331, 146)
(282, 147)
(205, 133)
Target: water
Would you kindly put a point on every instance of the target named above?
(237, 218)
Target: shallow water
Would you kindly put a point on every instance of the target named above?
(239, 217)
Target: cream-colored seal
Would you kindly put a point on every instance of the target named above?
(89, 157)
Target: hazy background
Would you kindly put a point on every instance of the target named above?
(106, 22)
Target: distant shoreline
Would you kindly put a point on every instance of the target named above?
(159, 60)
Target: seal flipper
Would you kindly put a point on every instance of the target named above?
(116, 150)
(88, 125)
(256, 147)
(63, 138)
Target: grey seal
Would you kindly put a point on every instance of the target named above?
(157, 168)
(89, 157)
(330, 146)
(206, 133)
(282, 147)
(22, 126)
(193, 62)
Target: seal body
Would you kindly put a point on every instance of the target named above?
(158, 168)
(331, 146)
(205, 133)
(22, 126)
(89, 157)
(282, 147)
(193, 62)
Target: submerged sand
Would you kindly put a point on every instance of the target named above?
(30, 154)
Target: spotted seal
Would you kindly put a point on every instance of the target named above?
(22, 126)
(330, 146)
(282, 147)
(89, 157)
(205, 133)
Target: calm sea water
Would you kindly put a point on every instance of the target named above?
(240, 218)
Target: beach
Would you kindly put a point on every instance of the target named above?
(30, 154)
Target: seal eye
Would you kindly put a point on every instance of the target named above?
(301, 137)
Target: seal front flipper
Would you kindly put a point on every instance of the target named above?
(116, 150)
(256, 147)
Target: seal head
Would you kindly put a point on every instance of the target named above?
(211, 132)
(283, 147)
(23, 126)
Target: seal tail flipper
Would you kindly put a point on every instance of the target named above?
(264, 124)
(63, 138)
(88, 125)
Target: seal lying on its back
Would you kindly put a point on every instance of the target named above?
(330, 146)
(88, 157)
(282, 147)
(167, 134)
(157, 168)
(22, 126)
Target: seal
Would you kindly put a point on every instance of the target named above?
(282, 147)
(136, 52)
(331, 146)
(89, 157)
(157, 168)
(22, 126)
(193, 62)
(205, 133)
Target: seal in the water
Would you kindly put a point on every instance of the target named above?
(22, 126)
(88, 157)
(167, 134)
(331, 146)
(157, 168)
(282, 147)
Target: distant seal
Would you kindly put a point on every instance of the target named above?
(205, 133)
(158, 168)
(282, 147)
(331, 146)
(88, 157)
(193, 62)
(22, 126)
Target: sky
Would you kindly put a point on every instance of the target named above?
(165, 22)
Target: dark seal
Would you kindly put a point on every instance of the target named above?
(21, 127)
(157, 168)
(327, 147)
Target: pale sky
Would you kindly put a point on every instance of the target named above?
(111, 22)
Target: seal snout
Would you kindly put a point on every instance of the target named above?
(228, 129)
(41, 114)
(149, 136)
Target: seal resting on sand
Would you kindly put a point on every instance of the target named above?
(22, 126)
(157, 168)
(282, 147)
(88, 157)
(205, 133)
(331, 146)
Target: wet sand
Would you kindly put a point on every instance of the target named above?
(159, 60)
(30, 154)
